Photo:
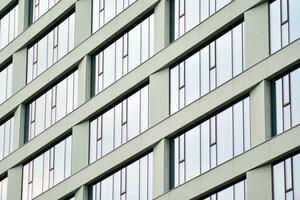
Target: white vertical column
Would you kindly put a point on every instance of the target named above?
(23, 15)
(159, 100)
(14, 183)
(83, 20)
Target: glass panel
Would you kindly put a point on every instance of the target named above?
(192, 13)
(108, 131)
(238, 122)
(275, 26)
(226, 194)
(295, 97)
(278, 181)
(224, 136)
(294, 17)
(279, 113)
(239, 191)
(53, 166)
(296, 176)
(174, 89)
(192, 140)
(136, 179)
(6, 138)
(192, 82)
(133, 115)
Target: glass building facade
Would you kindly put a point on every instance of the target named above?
(133, 182)
(51, 48)
(5, 83)
(124, 55)
(207, 69)
(47, 170)
(286, 179)
(120, 124)
(9, 27)
(6, 138)
(286, 102)
(52, 106)
(213, 142)
(284, 23)
(39, 7)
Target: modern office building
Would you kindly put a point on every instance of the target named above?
(149, 99)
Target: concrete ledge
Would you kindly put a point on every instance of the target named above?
(37, 29)
(102, 37)
(200, 109)
(5, 4)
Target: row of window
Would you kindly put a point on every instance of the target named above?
(6, 138)
(5, 83)
(8, 27)
(214, 141)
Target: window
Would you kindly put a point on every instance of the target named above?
(3, 189)
(8, 27)
(132, 182)
(124, 55)
(189, 13)
(106, 10)
(235, 192)
(284, 23)
(6, 138)
(52, 106)
(286, 102)
(47, 170)
(39, 8)
(5, 83)
(214, 141)
(119, 124)
(286, 179)
(207, 69)
(50, 48)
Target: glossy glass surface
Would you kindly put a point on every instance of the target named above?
(51, 48)
(235, 192)
(189, 13)
(119, 124)
(39, 8)
(106, 10)
(47, 170)
(133, 182)
(3, 189)
(286, 179)
(284, 23)
(5, 83)
(9, 27)
(52, 106)
(207, 69)
(115, 61)
(211, 143)
(6, 138)
(286, 102)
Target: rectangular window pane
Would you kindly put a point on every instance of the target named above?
(56, 44)
(6, 138)
(123, 55)
(5, 83)
(40, 8)
(204, 147)
(129, 182)
(51, 106)
(49, 167)
(212, 66)
(120, 124)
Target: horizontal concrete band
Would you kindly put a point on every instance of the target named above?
(224, 175)
(199, 110)
(96, 41)
(236, 88)
(5, 4)
(38, 28)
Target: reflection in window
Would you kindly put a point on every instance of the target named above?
(214, 141)
(106, 10)
(189, 13)
(284, 23)
(207, 69)
(6, 138)
(8, 27)
(39, 8)
(286, 102)
(3, 189)
(235, 192)
(133, 182)
(47, 170)
(5, 83)
(52, 106)
(50, 48)
(115, 61)
(119, 124)
(286, 179)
